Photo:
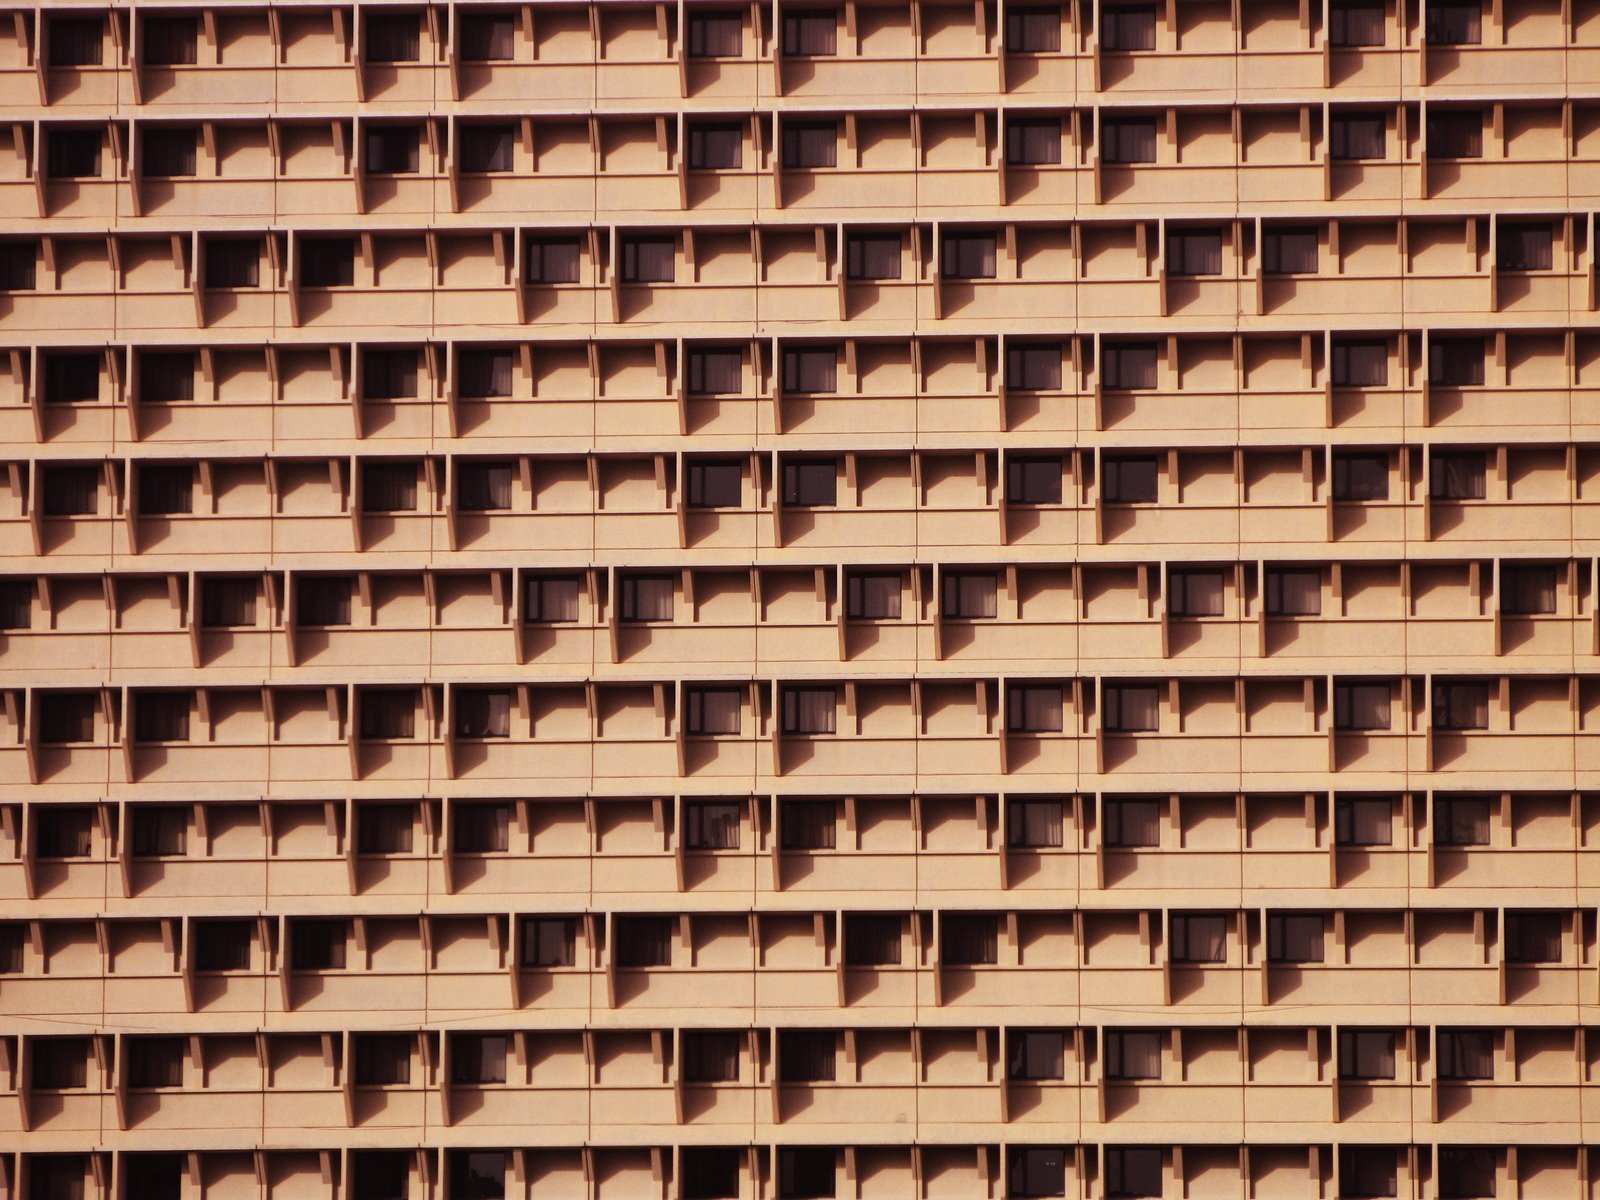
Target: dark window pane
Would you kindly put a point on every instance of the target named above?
(74, 153)
(810, 144)
(318, 945)
(808, 824)
(716, 34)
(1360, 362)
(1294, 593)
(392, 149)
(716, 147)
(552, 599)
(1357, 136)
(1199, 938)
(1195, 593)
(67, 717)
(1033, 30)
(72, 377)
(1461, 821)
(323, 599)
(873, 256)
(1361, 706)
(810, 483)
(166, 489)
(1455, 133)
(1033, 480)
(19, 265)
(1037, 1170)
(169, 153)
(872, 939)
(967, 256)
(1128, 27)
(1037, 1054)
(1533, 937)
(384, 828)
(76, 41)
(1194, 252)
(553, 260)
(810, 369)
(810, 32)
(1455, 22)
(222, 945)
(477, 1175)
(810, 710)
(233, 262)
(549, 942)
(711, 1172)
(1366, 1054)
(644, 941)
(383, 1060)
(478, 1058)
(716, 483)
(393, 37)
(488, 37)
(63, 832)
(807, 1056)
(1133, 1172)
(1455, 361)
(486, 148)
(485, 486)
(649, 260)
(327, 262)
(1457, 475)
(1131, 480)
(716, 371)
(969, 939)
(714, 711)
(1035, 708)
(711, 824)
(1290, 251)
(388, 715)
(1364, 822)
(389, 487)
(1353, 23)
(1132, 707)
(483, 713)
(1133, 1054)
(1128, 140)
(1033, 367)
(970, 595)
(1294, 937)
(482, 828)
(160, 831)
(1525, 246)
(1360, 476)
(1034, 824)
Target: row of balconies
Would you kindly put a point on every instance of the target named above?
(604, 54)
(1362, 844)
(1385, 966)
(1287, 730)
(166, 1085)
(1096, 618)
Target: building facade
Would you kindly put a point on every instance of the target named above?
(758, 601)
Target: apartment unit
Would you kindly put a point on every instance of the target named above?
(793, 599)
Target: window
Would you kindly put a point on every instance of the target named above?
(549, 942)
(19, 266)
(485, 486)
(716, 483)
(16, 604)
(1132, 707)
(74, 153)
(810, 710)
(1037, 1170)
(66, 717)
(1033, 367)
(1524, 246)
(1127, 366)
(1132, 479)
(1294, 937)
(716, 35)
(1455, 133)
(810, 144)
(873, 256)
(166, 489)
(807, 1056)
(1366, 1054)
(1128, 27)
(1033, 141)
(389, 374)
(812, 33)
(167, 377)
(160, 830)
(1034, 824)
(380, 1174)
(383, 1059)
(553, 260)
(807, 1172)
(1133, 1054)
(713, 711)
(63, 832)
(477, 1175)
(71, 491)
(711, 1056)
(1037, 1054)
(1363, 822)
(153, 1176)
(478, 1058)
(810, 370)
(169, 153)
(1358, 476)
(1360, 362)
(481, 828)
(318, 945)
(384, 828)
(1366, 1172)
(488, 148)
(1455, 361)
(872, 939)
(1132, 823)
(646, 597)
(808, 824)
(488, 37)
(1294, 592)
(967, 256)
(73, 378)
(969, 939)
(1358, 136)
(1194, 593)
(1356, 23)
(483, 713)
(1199, 938)
(76, 41)
(710, 1172)
(716, 371)
(322, 600)
(1533, 937)
(1457, 475)
(552, 599)
(1461, 821)
(970, 595)
(222, 945)
(810, 483)
(1455, 22)
(1035, 708)
(716, 147)
(873, 595)
(392, 149)
(1290, 250)
(327, 262)
(56, 1176)
(1133, 1171)
(483, 374)
(1464, 1054)
(649, 259)
(388, 487)
(1033, 480)
(1128, 140)
(233, 262)
(13, 957)
(1033, 30)
(1529, 589)
(393, 37)
(644, 941)
(711, 824)
(1458, 705)
(60, 1064)
(1466, 1172)
(388, 714)
(1194, 252)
